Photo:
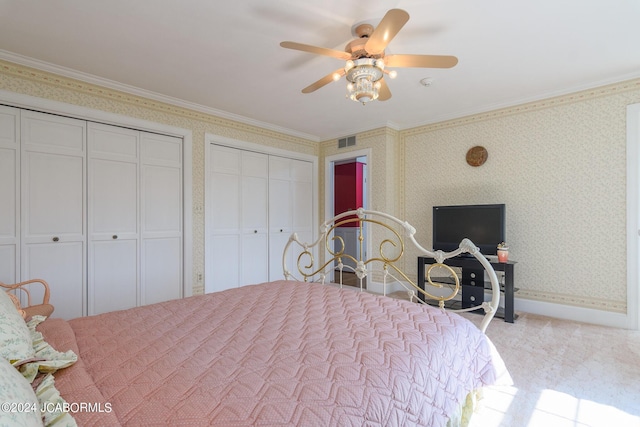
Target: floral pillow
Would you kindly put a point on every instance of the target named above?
(15, 338)
(45, 359)
(20, 406)
(54, 414)
(25, 354)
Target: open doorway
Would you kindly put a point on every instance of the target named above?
(346, 184)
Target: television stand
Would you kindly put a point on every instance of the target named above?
(473, 284)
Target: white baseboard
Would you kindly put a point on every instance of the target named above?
(576, 314)
(378, 288)
(558, 311)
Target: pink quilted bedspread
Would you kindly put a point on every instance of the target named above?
(280, 353)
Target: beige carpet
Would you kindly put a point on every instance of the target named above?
(349, 279)
(565, 374)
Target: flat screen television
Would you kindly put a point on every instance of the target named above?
(484, 225)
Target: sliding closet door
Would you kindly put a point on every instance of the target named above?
(9, 195)
(113, 218)
(161, 218)
(52, 208)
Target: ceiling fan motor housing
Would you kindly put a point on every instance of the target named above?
(372, 69)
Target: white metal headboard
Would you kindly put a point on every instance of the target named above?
(391, 236)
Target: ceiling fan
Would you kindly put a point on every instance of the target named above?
(366, 60)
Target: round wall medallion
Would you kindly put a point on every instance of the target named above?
(476, 156)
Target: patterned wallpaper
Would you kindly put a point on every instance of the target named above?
(24, 80)
(558, 164)
(383, 163)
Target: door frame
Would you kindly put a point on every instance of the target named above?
(329, 163)
(633, 216)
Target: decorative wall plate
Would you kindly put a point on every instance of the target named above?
(476, 156)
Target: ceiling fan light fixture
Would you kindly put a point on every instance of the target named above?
(363, 90)
(364, 65)
(363, 76)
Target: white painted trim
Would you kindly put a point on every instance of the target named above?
(121, 87)
(511, 103)
(329, 162)
(211, 139)
(328, 177)
(633, 216)
(55, 107)
(575, 314)
(558, 311)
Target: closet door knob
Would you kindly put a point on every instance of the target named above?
(255, 231)
(55, 239)
(115, 236)
(281, 230)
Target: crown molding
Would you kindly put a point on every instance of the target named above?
(577, 93)
(604, 88)
(131, 90)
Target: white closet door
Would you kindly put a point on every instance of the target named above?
(290, 209)
(254, 202)
(280, 212)
(161, 218)
(52, 208)
(113, 218)
(9, 195)
(224, 216)
(238, 218)
(302, 204)
(255, 225)
(302, 198)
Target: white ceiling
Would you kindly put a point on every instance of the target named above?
(225, 58)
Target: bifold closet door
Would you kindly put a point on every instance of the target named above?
(290, 209)
(161, 220)
(135, 218)
(53, 228)
(224, 216)
(255, 225)
(113, 218)
(302, 195)
(9, 195)
(238, 240)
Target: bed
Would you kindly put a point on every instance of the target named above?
(305, 352)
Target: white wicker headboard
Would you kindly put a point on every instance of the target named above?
(381, 244)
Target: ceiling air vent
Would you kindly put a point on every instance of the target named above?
(349, 141)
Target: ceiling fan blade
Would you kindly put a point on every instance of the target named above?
(323, 81)
(317, 50)
(386, 30)
(383, 93)
(420, 61)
